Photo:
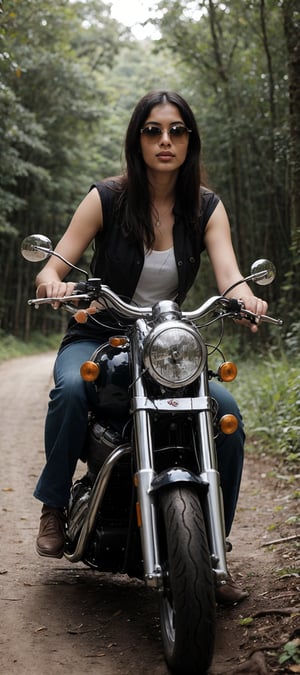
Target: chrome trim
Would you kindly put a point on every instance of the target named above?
(171, 404)
(96, 498)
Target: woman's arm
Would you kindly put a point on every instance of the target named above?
(86, 222)
(222, 256)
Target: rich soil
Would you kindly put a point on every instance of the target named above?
(58, 618)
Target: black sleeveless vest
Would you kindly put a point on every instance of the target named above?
(118, 259)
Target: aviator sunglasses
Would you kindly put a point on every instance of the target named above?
(177, 132)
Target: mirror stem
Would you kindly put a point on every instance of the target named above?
(57, 255)
(251, 277)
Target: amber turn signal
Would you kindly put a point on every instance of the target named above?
(228, 424)
(118, 341)
(82, 315)
(227, 371)
(89, 371)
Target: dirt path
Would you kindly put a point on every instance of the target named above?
(57, 618)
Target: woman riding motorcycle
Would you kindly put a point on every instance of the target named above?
(149, 227)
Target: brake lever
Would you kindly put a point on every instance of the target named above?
(65, 298)
(259, 318)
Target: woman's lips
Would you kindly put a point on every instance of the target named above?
(165, 156)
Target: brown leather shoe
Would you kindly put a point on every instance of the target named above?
(51, 537)
(229, 593)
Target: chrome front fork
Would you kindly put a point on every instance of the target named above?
(214, 497)
(146, 508)
(145, 474)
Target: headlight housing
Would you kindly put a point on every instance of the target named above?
(174, 354)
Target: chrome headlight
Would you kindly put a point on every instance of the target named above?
(174, 354)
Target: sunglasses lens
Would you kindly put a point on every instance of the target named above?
(152, 132)
(177, 131)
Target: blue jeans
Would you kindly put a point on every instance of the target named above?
(66, 427)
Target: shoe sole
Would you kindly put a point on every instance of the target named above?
(44, 554)
(231, 603)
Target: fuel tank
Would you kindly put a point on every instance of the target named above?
(112, 385)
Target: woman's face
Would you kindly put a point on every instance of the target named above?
(165, 151)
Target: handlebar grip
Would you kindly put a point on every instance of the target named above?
(80, 287)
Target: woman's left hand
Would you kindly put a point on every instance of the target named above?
(255, 305)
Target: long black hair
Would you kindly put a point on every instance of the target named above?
(135, 193)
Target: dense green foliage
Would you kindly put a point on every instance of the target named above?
(12, 347)
(70, 76)
(269, 395)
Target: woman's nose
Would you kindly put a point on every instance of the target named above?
(165, 137)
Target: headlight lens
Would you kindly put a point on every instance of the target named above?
(174, 354)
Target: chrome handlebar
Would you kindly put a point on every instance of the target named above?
(233, 307)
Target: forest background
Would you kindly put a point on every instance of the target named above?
(70, 76)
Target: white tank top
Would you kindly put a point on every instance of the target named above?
(158, 280)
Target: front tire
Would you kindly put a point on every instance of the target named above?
(187, 604)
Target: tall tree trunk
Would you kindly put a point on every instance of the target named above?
(222, 69)
(291, 18)
(272, 192)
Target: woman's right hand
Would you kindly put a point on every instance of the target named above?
(55, 289)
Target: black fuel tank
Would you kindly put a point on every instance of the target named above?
(113, 382)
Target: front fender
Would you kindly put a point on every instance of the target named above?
(177, 475)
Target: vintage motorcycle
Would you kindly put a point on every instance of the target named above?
(150, 504)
